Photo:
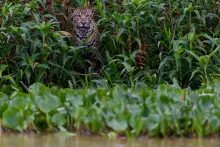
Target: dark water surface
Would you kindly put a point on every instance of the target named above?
(18, 140)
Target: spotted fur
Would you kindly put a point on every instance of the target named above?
(85, 30)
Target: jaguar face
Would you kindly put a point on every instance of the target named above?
(83, 18)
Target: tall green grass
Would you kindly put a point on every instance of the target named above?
(147, 41)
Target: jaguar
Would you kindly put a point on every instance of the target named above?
(84, 28)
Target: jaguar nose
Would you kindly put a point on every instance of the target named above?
(83, 23)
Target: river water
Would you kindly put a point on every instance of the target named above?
(19, 140)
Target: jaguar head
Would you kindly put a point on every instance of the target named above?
(83, 18)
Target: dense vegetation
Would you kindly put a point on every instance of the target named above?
(145, 44)
(149, 41)
(165, 111)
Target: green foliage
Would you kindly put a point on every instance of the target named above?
(145, 44)
(165, 111)
(141, 41)
(12, 118)
(191, 37)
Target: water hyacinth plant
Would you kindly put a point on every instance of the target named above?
(165, 111)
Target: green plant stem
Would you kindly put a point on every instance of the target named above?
(190, 19)
(48, 122)
(207, 80)
(6, 61)
(180, 72)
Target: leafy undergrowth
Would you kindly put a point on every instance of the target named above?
(150, 41)
(165, 111)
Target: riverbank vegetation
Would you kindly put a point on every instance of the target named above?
(153, 73)
(165, 111)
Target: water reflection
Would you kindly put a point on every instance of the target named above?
(16, 140)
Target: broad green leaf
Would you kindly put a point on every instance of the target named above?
(76, 99)
(46, 102)
(3, 103)
(13, 118)
(118, 93)
(151, 122)
(35, 88)
(20, 100)
(118, 124)
(214, 123)
(205, 101)
(59, 119)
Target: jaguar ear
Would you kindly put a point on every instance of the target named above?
(94, 10)
(71, 10)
